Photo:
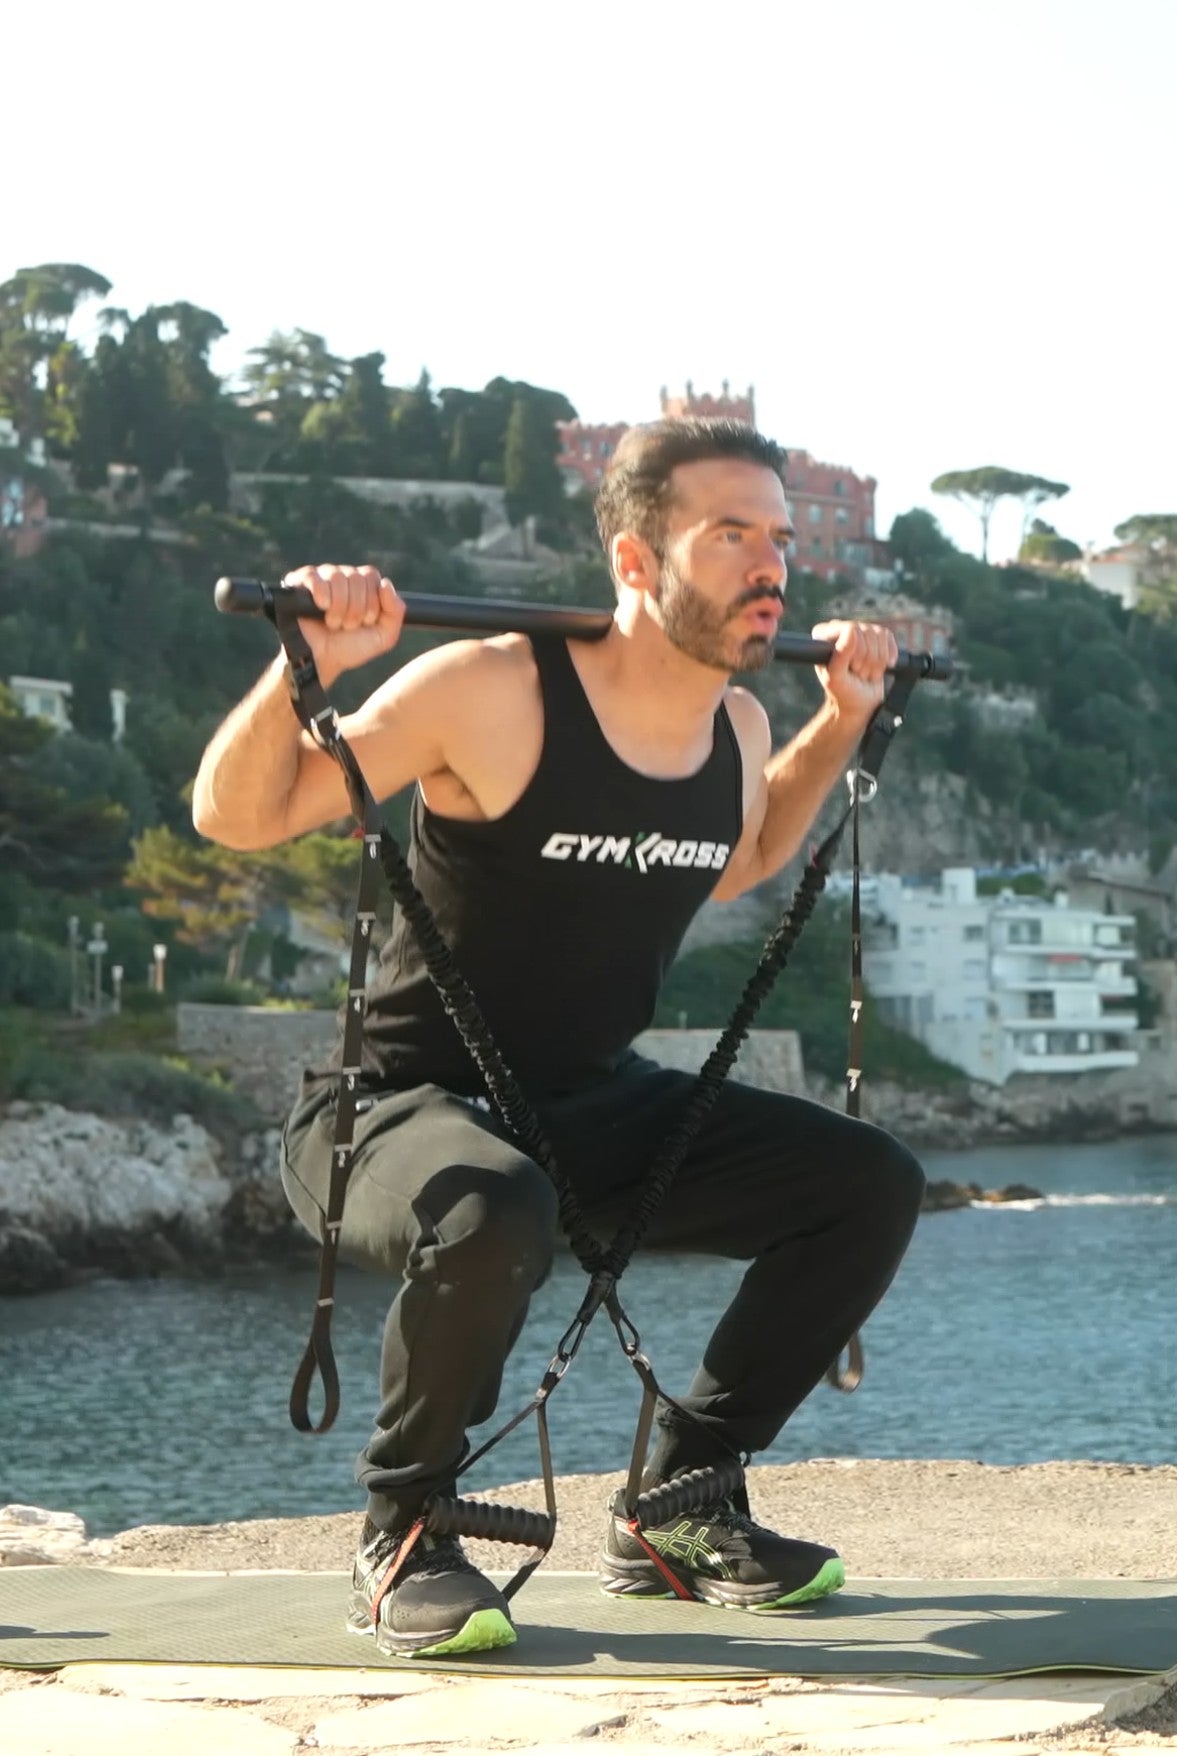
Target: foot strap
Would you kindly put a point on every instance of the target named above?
(388, 1577)
(689, 1492)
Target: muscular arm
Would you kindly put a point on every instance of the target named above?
(464, 720)
(796, 781)
(263, 780)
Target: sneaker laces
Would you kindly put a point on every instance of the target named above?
(729, 1516)
(428, 1555)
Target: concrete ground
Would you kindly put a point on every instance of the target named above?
(933, 1520)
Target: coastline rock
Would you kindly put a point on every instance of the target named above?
(29, 1263)
(82, 1194)
(32, 1537)
(943, 1196)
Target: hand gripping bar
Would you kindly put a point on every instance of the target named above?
(253, 597)
(498, 1524)
(689, 1492)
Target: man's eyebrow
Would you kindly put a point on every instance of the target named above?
(729, 520)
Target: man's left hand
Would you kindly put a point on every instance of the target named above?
(855, 678)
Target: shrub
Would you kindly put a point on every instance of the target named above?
(223, 991)
(127, 1084)
(33, 973)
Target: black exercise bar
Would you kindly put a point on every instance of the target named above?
(253, 597)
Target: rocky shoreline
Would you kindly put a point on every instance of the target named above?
(84, 1195)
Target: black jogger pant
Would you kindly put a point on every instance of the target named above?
(822, 1208)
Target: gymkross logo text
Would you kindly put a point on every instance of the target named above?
(642, 850)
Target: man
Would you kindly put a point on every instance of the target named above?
(575, 803)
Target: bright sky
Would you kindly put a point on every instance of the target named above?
(932, 233)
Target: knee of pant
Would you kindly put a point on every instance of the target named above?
(895, 1180)
(503, 1225)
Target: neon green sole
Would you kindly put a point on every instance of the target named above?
(481, 1632)
(832, 1577)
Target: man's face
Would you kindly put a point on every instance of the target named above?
(721, 584)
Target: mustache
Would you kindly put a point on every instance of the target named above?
(757, 594)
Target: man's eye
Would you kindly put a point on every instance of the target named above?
(733, 536)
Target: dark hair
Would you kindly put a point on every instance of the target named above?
(635, 491)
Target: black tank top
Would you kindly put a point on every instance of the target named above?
(564, 914)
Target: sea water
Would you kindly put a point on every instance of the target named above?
(1011, 1335)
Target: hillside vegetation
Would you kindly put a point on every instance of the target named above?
(145, 443)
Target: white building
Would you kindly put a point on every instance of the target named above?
(1003, 984)
(48, 698)
(1116, 571)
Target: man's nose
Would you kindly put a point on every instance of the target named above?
(768, 565)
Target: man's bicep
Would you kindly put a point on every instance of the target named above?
(395, 737)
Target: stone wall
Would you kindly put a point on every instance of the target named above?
(263, 1050)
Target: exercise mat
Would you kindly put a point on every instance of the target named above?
(51, 1616)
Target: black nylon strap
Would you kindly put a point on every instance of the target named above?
(863, 781)
(604, 1266)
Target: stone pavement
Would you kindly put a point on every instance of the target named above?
(171, 1710)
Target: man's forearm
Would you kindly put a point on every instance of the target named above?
(249, 769)
(800, 777)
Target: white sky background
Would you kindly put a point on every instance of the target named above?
(933, 233)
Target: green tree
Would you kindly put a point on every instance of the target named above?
(103, 414)
(981, 489)
(91, 680)
(288, 376)
(533, 483)
(1043, 547)
(213, 894)
(918, 543)
(419, 448)
(46, 837)
(36, 306)
(188, 333)
(1154, 536)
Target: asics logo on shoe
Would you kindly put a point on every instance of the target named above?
(684, 1542)
(642, 852)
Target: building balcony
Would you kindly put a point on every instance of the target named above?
(1098, 1061)
(1109, 1023)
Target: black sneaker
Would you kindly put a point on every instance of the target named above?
(436, 1601)
(720, 1556)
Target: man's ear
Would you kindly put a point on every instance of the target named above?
(634, 562)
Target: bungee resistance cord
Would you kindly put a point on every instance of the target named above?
(604, 1265)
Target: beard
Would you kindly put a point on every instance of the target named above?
(704, 633)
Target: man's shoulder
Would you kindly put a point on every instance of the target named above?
(464, 669)
(746, 713)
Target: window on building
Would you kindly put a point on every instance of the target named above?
(1040, 1005)
(974, 933)
(842, 516)
(974, 969)
(1024, 933)
(815, 546)
(916, 935)
(839, 489)
(815, 514)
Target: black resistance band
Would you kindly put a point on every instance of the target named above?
(604, 1266)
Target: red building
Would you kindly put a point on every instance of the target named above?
(585, 449)
(834, 516)
(833, 508)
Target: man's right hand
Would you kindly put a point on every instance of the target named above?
(362, 616)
